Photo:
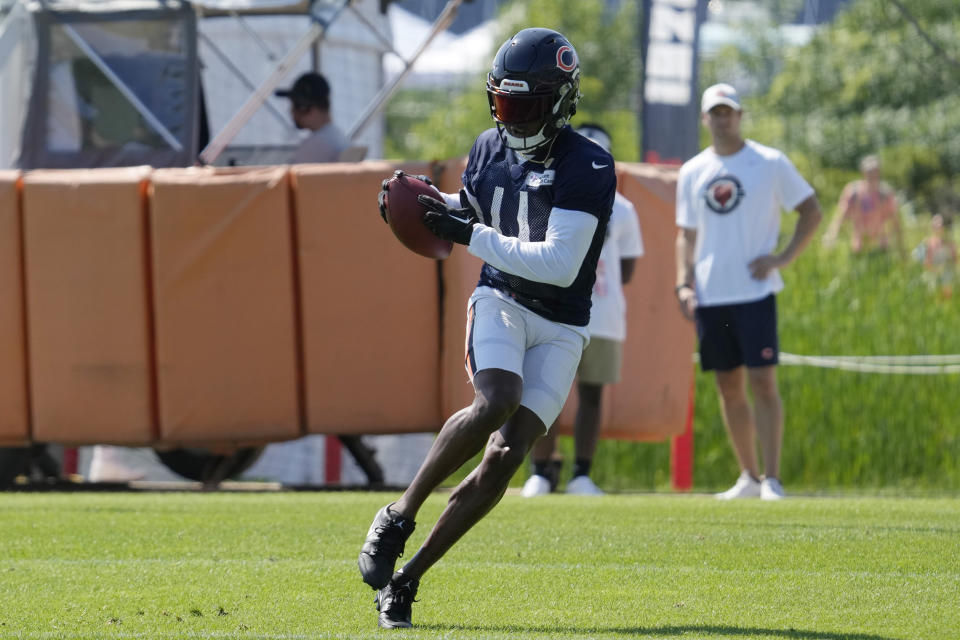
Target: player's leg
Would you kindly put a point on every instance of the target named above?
(757, 324)
(720, 352)
(498, 394)
(586, 432)
(497, 397)
(769, 417)
(546, 467)
(738, 417)
(496, 343)
(599, 366)
(549, 366)
(481, 490)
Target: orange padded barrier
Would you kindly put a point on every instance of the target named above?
(370, 311)
(226, 343)
(88, 319)
(14, 421)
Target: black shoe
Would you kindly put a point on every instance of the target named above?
(384, 544)
(394, 602)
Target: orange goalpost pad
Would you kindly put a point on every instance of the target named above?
(369, 307)
(224, 303)
(14, 420)
(88, 312)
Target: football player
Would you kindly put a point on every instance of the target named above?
(534, 206)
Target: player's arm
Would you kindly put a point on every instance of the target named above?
(684, 288)
(556, 260)
(810, 217)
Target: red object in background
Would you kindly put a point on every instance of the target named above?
(681, 452)
(70, 461)
(332, 459)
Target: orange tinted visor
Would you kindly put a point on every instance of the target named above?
(512, 108)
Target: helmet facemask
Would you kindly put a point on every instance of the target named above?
(530, 120)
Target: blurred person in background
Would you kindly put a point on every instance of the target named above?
(601, 360)
(938, 253)
(310, 109)
(871, 207)
(729, 202)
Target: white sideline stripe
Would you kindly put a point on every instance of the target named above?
(909, 365)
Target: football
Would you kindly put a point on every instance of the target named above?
(405, 216)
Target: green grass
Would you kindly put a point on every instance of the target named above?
(843, 429)
(630, 566)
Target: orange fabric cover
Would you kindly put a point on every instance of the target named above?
(227, 367)
(88, 320)
(14, 429)
(369, 306)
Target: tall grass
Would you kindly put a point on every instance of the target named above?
(843, 429)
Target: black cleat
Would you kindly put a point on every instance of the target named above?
(394, 602)
(384, 544)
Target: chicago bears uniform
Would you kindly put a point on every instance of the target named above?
(535, 204)
(516, 197)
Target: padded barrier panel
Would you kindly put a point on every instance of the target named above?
(87, 301)
(370, 310)
(227, 366)
(14, 421)
(650, 401)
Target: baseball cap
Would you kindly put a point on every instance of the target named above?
(596, 133)
(310, 87)
(720, 94)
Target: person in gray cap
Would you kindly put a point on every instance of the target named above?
(310, 109)
(729, 200)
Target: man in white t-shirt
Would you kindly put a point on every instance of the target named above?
(310, 109)
(600, 362)
(729, 201)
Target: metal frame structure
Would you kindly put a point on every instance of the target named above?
(180, 150)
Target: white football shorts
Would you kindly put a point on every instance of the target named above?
(502, 334)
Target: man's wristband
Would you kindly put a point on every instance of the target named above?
(679, 287)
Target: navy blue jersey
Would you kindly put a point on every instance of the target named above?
(516, 197)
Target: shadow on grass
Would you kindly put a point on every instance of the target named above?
(702, 631)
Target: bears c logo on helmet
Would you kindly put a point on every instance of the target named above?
(723, 194)
(566, 58)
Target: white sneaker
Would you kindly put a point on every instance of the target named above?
(745, 487)
(583, 486)
(535, 486)
(771, 489)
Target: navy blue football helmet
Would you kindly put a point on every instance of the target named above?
(533, 88)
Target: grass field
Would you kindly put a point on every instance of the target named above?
(283, 565)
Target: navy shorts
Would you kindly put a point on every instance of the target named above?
(732, 335)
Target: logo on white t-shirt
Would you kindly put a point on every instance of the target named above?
(723, 194)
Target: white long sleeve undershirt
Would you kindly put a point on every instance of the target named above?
(556, 260)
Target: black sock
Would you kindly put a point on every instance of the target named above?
(541, 468)
(581, 467)
(400, 578)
